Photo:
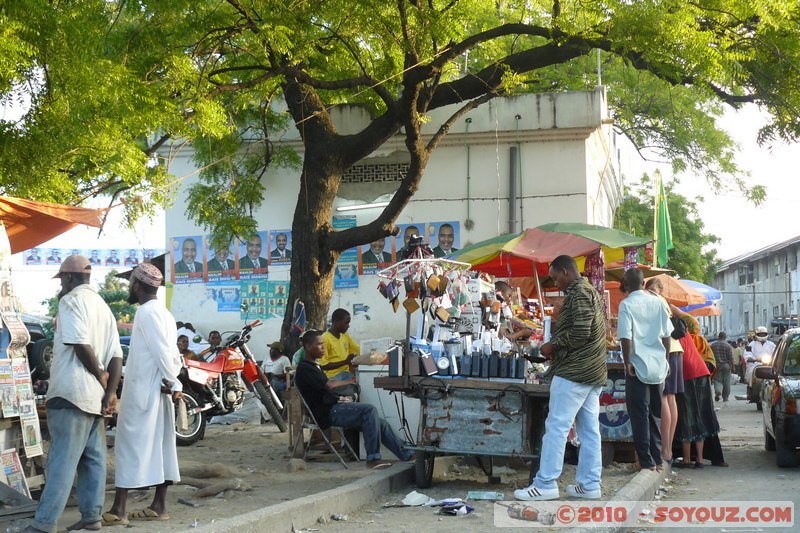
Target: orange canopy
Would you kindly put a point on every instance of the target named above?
(30, 223)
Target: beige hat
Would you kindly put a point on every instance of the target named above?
(75, 264)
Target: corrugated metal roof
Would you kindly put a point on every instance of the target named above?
(760, 253)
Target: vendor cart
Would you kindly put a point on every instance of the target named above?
(615, 424)
(483, 419)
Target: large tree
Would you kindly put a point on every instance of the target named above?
(692, 257)
(111, 82)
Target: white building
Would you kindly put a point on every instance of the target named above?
(566, 172)
(759, 288)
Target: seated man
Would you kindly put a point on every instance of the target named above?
(183, 348)
(275, 367)
(320, 394)
(340, 348)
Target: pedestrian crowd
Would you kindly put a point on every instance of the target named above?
(669, 371)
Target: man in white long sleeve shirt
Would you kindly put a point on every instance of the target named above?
(145, 443)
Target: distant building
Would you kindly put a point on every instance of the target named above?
(759, 288)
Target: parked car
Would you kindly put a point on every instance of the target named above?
(779, 397)
(40, 348)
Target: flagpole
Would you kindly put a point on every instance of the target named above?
(655, 217)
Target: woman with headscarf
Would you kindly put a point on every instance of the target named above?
(697, 420)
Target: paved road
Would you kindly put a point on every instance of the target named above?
(752, 475)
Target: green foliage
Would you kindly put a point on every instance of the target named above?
(116, 88)
(114, 292)
(691, 258)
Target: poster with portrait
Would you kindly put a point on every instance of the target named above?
(54, 256)
(280, 247)
(277, 296)
(23, 388)
(345, 276)
(132, 258)
(253, 256)
(254, 294)
(406, 231)
(376, 256)
(444, 237)
(94, 255)
(226, 294)
(220, 261)
(112, 258)
(186, 254)
(34, 257)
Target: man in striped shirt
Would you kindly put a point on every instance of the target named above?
(578, 371)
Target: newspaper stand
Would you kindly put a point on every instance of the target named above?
(482, 418)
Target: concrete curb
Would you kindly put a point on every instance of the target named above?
(642, 488)
(304, 512)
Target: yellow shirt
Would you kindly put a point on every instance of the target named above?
(337, 350)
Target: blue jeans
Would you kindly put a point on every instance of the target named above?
(374, 428)
(579, 402)
(78, 444)
(643, 401)
(344, 375)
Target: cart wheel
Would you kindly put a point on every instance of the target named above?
(423, 468)
(607, 453)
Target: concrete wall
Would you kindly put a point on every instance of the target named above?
(568, 172)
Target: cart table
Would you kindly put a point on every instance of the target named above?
(479, 418)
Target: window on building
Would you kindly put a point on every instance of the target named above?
(783, 309)
(765, 315)
(777, 268)
(786, 263)
(758, 271)
(745, 273)
(793, 260)
(747, 320)
(775, 311)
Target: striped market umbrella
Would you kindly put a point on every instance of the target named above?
(516, 254)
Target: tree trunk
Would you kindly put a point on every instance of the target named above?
(313, 261)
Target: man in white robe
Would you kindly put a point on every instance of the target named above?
(146, 453)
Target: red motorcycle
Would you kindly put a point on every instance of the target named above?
(217, 387)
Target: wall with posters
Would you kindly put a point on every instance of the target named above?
(566, 172)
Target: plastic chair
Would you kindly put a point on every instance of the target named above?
(310, 422)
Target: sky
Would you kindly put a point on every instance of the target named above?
(741, 225)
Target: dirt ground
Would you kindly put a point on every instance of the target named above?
(259, 455)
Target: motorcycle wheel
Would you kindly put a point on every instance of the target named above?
(272, 409)
(196, 426)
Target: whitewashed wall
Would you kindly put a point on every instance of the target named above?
(569, 172)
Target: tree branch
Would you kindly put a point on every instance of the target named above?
(445, 127)
(490, 78)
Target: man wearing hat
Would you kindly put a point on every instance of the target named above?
(145, 443)
(275, 367)
(759, 347)
(87, 362)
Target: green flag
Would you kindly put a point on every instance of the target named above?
(663, 229)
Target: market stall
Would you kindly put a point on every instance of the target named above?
(481, 394)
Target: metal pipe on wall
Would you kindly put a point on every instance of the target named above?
(513, 154)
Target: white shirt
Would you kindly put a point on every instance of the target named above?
(83, 318)
(644, 319)
(758, 348)
(276, 368)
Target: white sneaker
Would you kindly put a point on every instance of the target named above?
(577, 491)
(532, 494)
